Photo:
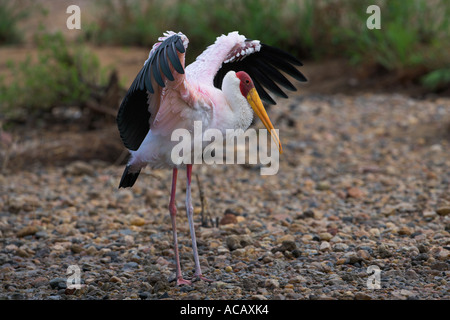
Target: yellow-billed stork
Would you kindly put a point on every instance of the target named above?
(221, 88)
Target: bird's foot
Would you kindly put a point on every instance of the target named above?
(201, 277)
(181, 281)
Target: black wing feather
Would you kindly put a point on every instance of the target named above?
(262, 67)
(267, 82)
(133, 116)
(157, 71)
(173, 57)
(165, 65)
(263, 93)
(274, 74)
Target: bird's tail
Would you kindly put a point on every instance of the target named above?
(128, 178)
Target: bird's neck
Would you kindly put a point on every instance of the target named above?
(241, 114)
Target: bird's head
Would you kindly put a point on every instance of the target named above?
(249, 92)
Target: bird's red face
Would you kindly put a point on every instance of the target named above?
(248, 90)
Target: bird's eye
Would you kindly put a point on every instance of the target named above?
(247, 82)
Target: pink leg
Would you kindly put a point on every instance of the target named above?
(173, 213)
(190, 212)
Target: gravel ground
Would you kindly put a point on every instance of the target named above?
(363, 182)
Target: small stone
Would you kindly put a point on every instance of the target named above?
(429, 214)
(78, 168)
(355, 193)
(220, 284)
(323, 186)
(289, 238)
(91, 251)
(124, 196)
(340, 247)
(76, 248)
(130, 265)
(286, 245)
(39, 282)
(441, 266)
(375, 232)
(389, 211)
(443, 211)
(352, 258)
(404, 231)
(325, 236)
(421, 257)
(406, 293)
(325, 246)
(411, 274)
(296, 253)
(423, 248)
(258, 297)
(228, 218)
(138, 221)
(363, 254)
(27, 231)
(272, 283)
(58, 283)
(228, 269)
(444, 254)
(233, 242)
(115, 279)
(22, 253)
(362, 296)
(129, 240)
(383, 251)
(161, 261)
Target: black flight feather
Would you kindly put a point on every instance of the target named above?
(263, 67)
(133, 116)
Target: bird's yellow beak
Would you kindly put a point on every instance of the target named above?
(258, 108)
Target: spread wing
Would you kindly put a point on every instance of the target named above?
(262, 62)
(163, 68)
(264, 68)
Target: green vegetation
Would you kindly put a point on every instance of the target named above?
(63, 75)
(413, 41)
(414, 33)
(10, 16)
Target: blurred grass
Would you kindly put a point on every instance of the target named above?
(10, 15)
(413, 42)
(63, 75)
(414, 33)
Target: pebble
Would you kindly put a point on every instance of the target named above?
(355, 192)
(58, 283)
(27, 231)
(340, 247)
(325, 236)
(443, 211)
(258, 297)
(115, 279)
(362, 296)
(80, 168)
(309, 232)
(383, 251)
(404, 231)
(272, 283)
(325, 246)
(137, 221)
